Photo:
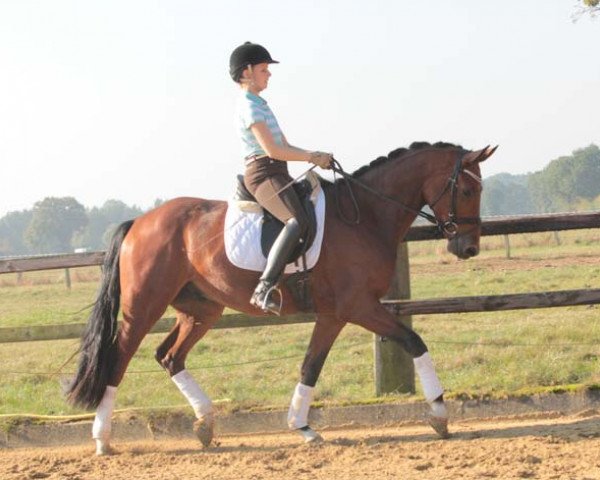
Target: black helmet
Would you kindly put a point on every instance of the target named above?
(247, 54)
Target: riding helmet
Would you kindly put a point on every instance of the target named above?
(247, 54)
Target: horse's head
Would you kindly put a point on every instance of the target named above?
(454, 196)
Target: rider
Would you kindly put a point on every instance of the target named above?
(266, 153)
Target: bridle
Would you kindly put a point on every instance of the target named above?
(448, 227)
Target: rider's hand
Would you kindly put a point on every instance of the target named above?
(321, 159)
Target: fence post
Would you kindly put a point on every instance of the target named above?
(68, 278)
(394, 368)
(556, 237)
(507, 245)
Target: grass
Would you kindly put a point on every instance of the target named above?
(477, 354)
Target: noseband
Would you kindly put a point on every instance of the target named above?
(448, 227)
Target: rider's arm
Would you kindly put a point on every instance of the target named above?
(284, 152)
(287, 144)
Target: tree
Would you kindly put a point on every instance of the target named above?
(506, 194)
(116, 211)
(585, 172)
(591, 7)
(91, 235)
(567, 180)
(54, 221)
(12, 226)
(102, 222)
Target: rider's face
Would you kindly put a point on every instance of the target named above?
(258, 77)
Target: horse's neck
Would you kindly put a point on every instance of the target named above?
(401, 180)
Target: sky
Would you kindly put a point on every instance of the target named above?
(132, 100)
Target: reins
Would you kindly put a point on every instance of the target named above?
(448, 227)
(337, 168)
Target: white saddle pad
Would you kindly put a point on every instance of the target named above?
(243, 225)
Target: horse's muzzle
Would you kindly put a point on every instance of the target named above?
(471, 251)
(463, 247)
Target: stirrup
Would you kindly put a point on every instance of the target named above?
(265, 305)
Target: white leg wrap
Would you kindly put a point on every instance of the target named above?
(298, 412)
(102, 423)
(199, 401)
(432, 388)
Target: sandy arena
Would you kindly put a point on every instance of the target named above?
(540, 447)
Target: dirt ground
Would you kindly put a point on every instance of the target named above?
(540, 447)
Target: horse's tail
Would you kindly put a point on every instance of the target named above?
(98, 349)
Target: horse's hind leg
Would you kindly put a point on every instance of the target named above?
(194, 319)
(383, 323)
(136, 324)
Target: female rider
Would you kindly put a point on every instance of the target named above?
(266, 153)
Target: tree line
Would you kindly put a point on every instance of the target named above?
(568, 183)
(62, 224)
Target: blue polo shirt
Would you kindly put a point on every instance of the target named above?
(252, 109)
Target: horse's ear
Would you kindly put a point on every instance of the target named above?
(479, 155)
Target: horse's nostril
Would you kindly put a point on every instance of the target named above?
(471, 251)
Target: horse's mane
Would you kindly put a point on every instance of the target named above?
(400, 153)
(393, 155)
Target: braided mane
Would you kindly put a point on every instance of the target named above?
(399, 153)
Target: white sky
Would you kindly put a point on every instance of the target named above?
(132, 99)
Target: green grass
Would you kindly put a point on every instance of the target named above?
(477, 354)
(244, 384)
(41, 298)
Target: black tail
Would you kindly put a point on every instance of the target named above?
(98, 350)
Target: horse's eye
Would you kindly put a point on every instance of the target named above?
(467, 192)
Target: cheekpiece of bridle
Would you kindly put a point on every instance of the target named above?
(448, 228)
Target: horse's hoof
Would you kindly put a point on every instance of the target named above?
(440, 425)
(309, 435)
(103, 448)
(204, 430)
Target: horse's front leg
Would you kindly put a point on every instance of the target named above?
(326, 330)
(383, 323)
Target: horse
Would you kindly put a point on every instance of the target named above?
(174, 255)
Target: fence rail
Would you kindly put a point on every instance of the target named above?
(494, 303)
(486, 303)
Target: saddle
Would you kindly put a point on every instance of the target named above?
(271, 226)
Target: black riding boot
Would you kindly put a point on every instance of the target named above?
(278, 256)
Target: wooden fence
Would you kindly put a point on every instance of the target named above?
(393, 368)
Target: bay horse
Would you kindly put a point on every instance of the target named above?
(174, 255)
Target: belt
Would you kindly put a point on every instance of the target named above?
(252, 158)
